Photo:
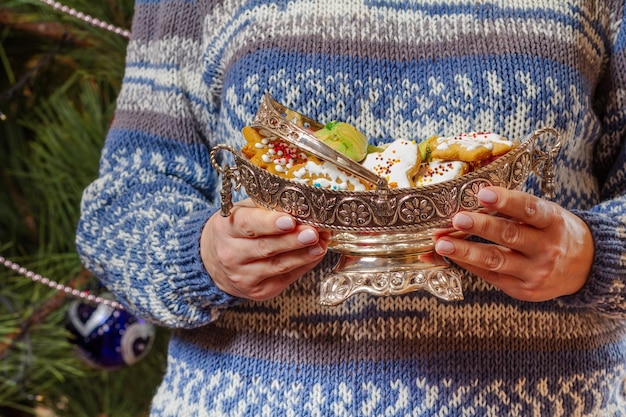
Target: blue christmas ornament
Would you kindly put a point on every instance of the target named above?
(108, 338)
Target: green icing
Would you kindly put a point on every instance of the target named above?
(344, 138)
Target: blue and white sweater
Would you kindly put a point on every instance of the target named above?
(196, 71)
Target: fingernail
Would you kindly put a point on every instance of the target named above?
(487, 196)
(444, 247)
(316, 250)
(462, 221)
(285, 223)
(307, 236)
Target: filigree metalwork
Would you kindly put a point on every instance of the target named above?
(445, 283)
(354, 213)
(469, 191)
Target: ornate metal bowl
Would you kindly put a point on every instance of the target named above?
(385, 236)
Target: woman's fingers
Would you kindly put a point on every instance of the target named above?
(509, 284)
(259, 234)
(507, 232)
(252, 222)
(255, 253)
(275, 284)
(485, 257)
(537, 250)
(266, 278)
(520, 206)
(520, 225)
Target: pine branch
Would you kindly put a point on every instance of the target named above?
(21, 202)
(61, 76)
(32, 72)
(45, 30)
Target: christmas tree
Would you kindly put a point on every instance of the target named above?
(60, 72)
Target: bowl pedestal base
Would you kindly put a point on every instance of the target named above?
(385, 276)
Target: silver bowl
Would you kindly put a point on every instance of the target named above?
(385, 236)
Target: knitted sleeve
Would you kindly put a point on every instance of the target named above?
(605, 290)
(142, 218)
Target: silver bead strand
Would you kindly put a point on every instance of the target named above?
(86, 18)
(30, 274)
(59, 287)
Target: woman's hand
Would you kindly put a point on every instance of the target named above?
(255, 253)
(540, 251)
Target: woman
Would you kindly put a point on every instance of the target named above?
(542, 329)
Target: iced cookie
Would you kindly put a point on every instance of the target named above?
(283, 159)
(474, 147)
(271, 153)
(439, 171)
(398, 163)
(344, 138)
(325, 175)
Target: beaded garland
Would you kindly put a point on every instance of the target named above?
(86, 18)
(85, 295)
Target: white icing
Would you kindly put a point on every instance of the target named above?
(329, 176)
(394, 163)
(471, 141)
(438, 171)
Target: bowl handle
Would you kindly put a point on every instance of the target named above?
(543, 163)
(228, 175)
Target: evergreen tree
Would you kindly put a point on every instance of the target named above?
(59, 77)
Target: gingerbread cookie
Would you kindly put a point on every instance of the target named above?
(439, 171)
(344, 138)
(325, 175)
(271, 153)
(473, 147)
(284, 159)
(398, 163)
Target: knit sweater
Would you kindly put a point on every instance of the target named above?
(196, 72)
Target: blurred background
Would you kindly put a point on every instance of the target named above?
(59, 77)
